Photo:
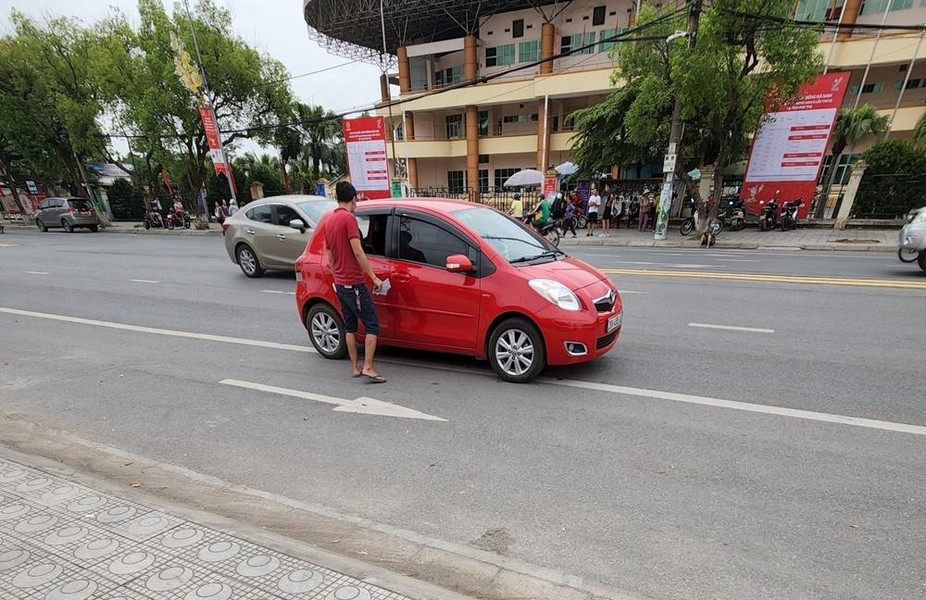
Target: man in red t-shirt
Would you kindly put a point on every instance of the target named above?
(349, 263)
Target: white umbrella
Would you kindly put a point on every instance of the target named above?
(525, 178)
(567, 168)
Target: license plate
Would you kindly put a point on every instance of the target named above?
(614, 322)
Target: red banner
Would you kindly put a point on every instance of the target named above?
(791, 144)
(210, 126)
(365, 139)
(549, 185)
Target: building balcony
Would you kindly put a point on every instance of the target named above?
(855, 52)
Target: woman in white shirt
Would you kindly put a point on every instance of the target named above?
(594, 206)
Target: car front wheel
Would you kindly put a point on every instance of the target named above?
(67, 226)
(248, 262)
(326, 330)
(516, 350)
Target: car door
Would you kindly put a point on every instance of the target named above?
(290, 242)
(374, 230)
(260, 233)
(432, 308)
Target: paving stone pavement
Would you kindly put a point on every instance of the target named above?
(63, 541)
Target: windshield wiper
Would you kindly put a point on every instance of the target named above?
(547, 254)
(511, 239)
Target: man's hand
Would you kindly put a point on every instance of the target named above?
(377, 283)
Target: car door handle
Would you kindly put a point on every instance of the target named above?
(249, 231)
(281, 236)
(402, 277)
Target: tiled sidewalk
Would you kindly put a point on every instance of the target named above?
(63, 541)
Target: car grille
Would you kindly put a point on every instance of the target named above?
(606, 302)
(606, 340)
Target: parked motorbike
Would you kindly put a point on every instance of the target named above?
(768, 216)
(733, 215)
(912, 243)
(154, 219)
(693, 222)
(178, 219)
(788, 218)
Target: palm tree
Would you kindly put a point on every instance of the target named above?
(919, 132)
(852, 126)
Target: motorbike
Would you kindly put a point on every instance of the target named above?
(154, 219)
(788, 218)
(733, 216)
(768, 216)
(911, 246)
(178, 219)
(693, 221)
(551, 231)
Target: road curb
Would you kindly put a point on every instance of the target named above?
(402, 560)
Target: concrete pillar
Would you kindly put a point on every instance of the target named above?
(405, 77)
(848, 199)
(547, 46)
(257, 190)
(412, 162)
(472, 151)
(849, 17)
(470, 60)
(631, 18)
(707, 181)
(384, 88)
(543, 136)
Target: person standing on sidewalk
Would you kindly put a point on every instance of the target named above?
(645, 205)
(569, 219)
(594, 205)
(349, 263)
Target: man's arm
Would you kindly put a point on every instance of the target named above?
(330, 260)
(357, 246)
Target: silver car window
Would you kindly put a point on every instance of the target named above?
(261, 214)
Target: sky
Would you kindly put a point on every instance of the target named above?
(274, 27)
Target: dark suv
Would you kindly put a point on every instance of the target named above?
(68, 213)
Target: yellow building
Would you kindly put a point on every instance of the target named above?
(476, 136)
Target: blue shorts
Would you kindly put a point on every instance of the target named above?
(357, 303)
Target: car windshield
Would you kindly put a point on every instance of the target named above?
(510, 238)
(316, 208)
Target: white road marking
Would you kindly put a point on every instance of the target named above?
(731, 328)
(363, 405)
(37, 272)
(144, 281)
(663, 264)
(602, 387)
(277, 292)
(745, 406)
(168, 332)
(737, 260)
(625, 292)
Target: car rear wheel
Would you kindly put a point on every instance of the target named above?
(516, 350)
(67, 226)
(326, 330)
(908, 255)
(248, 262)
(40, 225)
(94, 228)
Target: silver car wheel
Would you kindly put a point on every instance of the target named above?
(248, 262)
(514, 352)
(325, 332)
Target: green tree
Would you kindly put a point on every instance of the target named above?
(746, 52)
(249, 91)
(919, 131)
(894, 182)
(852, 126)
(126, 200)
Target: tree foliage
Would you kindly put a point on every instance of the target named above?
(126, 200)
(746, 52)
(894, 182)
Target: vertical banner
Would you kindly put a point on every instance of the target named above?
(550, 185)
(365, 139)
(791, 144)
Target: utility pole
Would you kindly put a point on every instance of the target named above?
(675, 133)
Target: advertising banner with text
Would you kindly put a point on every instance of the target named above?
(365, 139)
(791, 144)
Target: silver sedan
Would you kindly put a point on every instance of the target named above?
(272, 233)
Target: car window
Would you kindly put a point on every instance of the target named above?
(510, 238)
(79, 204)
(282, 215)
(43, 204)
(426, 243)
(373, 233)
(261, 214)
(316, 208)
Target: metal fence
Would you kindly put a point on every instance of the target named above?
(499, 198)
(888, 196)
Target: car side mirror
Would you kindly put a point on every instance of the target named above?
(298, 224)
(459, 263)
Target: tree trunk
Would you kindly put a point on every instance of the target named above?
(8, 177)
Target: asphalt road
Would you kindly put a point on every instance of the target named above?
(631, 470)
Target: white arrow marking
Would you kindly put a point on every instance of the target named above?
(277, 292)
(37, 272)
(731, 328)
(363, 405)
(144, 281)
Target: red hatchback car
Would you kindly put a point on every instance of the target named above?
(466, 279)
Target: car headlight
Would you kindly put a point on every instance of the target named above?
(556, 293)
